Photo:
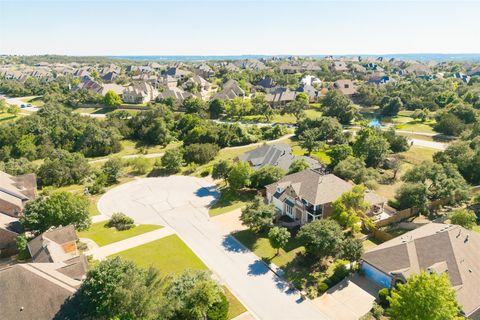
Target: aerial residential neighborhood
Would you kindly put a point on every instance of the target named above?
(239, 160)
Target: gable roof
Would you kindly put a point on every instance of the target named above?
(29, 292)
(313, 186)
(17, 190)
(47, 246)
(277, 154)
(436, 248)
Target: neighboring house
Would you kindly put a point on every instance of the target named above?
(175, 93)
(168, 81)
(266, 83)
(474, 71)
(372, 67)
(9, 229)
(140, 93)
(461, 76)
(15, 191)
(55, 245)
(178, 73)
(307, 196)
(434, 248)
(231, 90)
(380, 80)
(338, 66)
(309, 80)
(203, 70)
(87, 83)
(110, 76)
(198, 81)
(278, 155)
(418, 69)
(279, 96)
(34, 290)
(346, 86)
(312, 93)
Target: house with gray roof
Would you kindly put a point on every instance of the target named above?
(55, 245)
(434, 248)
(15, 191)
(278, 155)
(34, 291)
(307, 196)
(279, 96)
(230, 90)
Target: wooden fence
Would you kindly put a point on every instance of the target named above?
(397, 217)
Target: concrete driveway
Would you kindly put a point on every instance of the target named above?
(182, 203)
(349, 300)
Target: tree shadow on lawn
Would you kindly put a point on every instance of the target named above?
(228, 197)
(207, 192)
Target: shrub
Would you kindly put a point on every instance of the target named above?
(377, 311)
(311, 292)
(141, 165)
(23, 253)
(340, 271)
(121, 221)
(322, 287)
(383, 295)
(219, 310)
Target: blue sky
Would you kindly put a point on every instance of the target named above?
(230, 27)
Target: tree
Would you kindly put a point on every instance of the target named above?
(63, 168)
(463, 217)
(308, 140)
(327, 129)
(371, 146)
(200, 153)
(397, 143)
(57, 209)
(239, 175)
(195, 105)
(298, 165)
(17, 167)
(216, 108)
(112, 169)
(443, 181)
(261, 106)
(352, 249)
(278, 238)
(112, 99)
(354, 169)
(265, 176)
(449, 124)
(425, 296)
(391, 106)
(257, 215)
(191, 295)
(172, 160)
(321, 237)
(421, 114)
(350, 207)
(336, 105)
(219, 310)
(221, 169)
(119, 289)
(338, 153)
(412, 195)
(296, 108)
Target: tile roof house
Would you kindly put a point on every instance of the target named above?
(307, 195)
(203, 84)
(278, 154)
(175, 93)
(435, 248)
(140, 93)
(34, 291)
(178, 73)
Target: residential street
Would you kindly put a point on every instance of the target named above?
(180, 203)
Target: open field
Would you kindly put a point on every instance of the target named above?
(102, 235)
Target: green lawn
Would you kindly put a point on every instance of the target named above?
(235, 308)
(103, 235)
(7, 116)
(169, 255)
(231, 200)
(416, 155)
(262, 248)
(35, 101)
(130, 147)
(320, 155)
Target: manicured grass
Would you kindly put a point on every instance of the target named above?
(320, 155)
(130, 147)
(103, 235)
(92, 208)
(169, 255)
(7, 116)
(235, 308)
(313, 113)
(416, 155)
(231, 200)
(476, 228)
(262, 248)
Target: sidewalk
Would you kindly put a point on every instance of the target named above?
(101, 253)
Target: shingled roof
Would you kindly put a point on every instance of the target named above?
(436, 248)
